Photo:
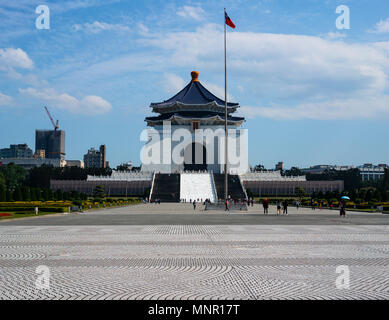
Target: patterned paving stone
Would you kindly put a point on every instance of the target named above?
(194, 261)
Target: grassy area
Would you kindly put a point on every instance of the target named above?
(16, 215)
(16, 210)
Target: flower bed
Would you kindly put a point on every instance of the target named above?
(4, 214)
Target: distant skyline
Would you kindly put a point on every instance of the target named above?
(311, 94)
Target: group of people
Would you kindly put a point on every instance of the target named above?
(280, 206)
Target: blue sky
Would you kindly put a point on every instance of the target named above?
(312, 94)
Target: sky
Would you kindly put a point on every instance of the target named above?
(311, 92)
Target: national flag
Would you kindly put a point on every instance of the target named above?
(228, 21)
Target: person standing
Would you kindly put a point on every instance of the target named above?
(342, 208)
(278, 207)
(265, 206)
(285, 205)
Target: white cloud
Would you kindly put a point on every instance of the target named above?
(381, 27)
(196, 13)
(282, 75)
(173, 83)
(5, 100)
(365, 108)
(307, 76)
(143, 30)
(218, 91)
(335, 35)
(96, 27)
(90, 105)
(14, 58)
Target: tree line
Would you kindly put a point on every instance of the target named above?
(19, 184)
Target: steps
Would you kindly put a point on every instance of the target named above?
(197, 186)
(166, 187)
(190, 186)
(235, 188)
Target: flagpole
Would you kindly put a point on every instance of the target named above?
(225, 112)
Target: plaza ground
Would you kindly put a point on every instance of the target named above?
(168, 252)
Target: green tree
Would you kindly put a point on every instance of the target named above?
(8, 196)
(17, 196)
(37, 194)
(2, 180)
(377, 195)
(50, 195)
(39, 177)
(300, 192)
(59, 195)
(294, 171)
(259, 167)
(66, 195)
(26, 193)
(13, 175)
(384, 195)
(74, 195)
(98, 192)
(45, 194)
(2, 193)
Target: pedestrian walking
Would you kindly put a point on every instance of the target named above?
(194, 204)
(227, 205)
(297, 205)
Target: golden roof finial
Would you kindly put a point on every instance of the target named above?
(195, 76)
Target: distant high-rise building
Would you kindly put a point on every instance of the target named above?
(39, 154)
(96, 158)
(16, 151)
(280, 166)
(371, 172)
(52, 141)
(75, 163)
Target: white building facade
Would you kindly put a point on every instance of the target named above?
(189, 135)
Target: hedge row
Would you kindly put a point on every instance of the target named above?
(34, 204)
(31, 209)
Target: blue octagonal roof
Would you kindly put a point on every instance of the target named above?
(194, 94)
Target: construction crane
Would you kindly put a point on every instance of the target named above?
(55, 124)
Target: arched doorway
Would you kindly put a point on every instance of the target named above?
(195, 157)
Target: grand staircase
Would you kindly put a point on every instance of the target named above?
(197, 186)
(166, 187)
(235, 188)
(190, 186)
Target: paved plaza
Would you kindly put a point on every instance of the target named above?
(143, 255)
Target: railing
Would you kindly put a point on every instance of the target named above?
(152, 186)
(214, 186)
(243, 188)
